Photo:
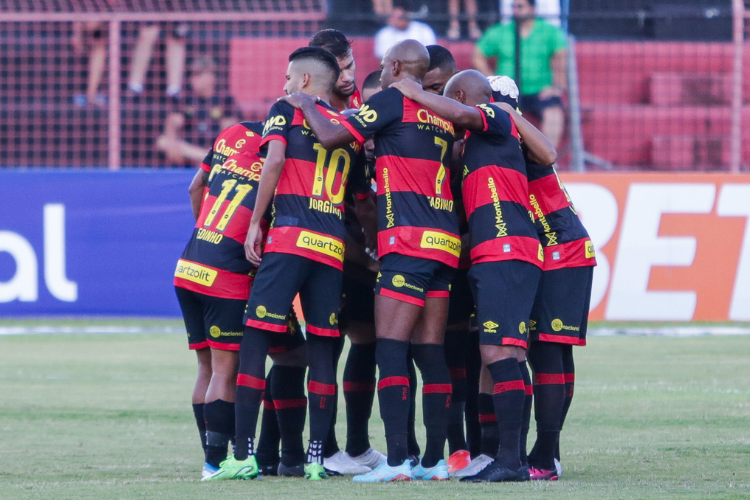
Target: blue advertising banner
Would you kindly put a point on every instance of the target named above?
(91, 242)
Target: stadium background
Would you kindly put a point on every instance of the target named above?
(95, 216)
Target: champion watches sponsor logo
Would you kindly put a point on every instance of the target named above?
(439, 241)
(321, 244)
(196, 273)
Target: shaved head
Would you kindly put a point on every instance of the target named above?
(407, 58)
(470, 87)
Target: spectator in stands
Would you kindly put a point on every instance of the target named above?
(549, 10)
(197, 117)
(543, 63)
(400, 27)
(382, 7)
(93, 34)
(175, 56)
(454, 30)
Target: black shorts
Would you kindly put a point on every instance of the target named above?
(561, 307)
(461, 305)
(280, 277)
(534, 106)
(412, 280)
(504, 293)
(357, 302)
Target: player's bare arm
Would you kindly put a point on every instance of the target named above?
(269, 179)
(467, 117)
(541, 149)
(330, 135)
(197, 186)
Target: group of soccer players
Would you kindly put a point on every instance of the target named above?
(354, 212)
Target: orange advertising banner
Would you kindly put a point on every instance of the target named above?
(670, 247)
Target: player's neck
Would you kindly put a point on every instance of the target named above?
(320, 94)
(339, 102)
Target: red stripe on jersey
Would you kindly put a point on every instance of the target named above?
(359, 387)
(198, 345)
(528, 390)
(437, 389)
(483, 185)
(408, 240)
(319, 388)
(297, 178)
(457, 373)
(519, 248)
(270, 138)
(246, 380)
(391, 381)
(266, 326)
(571, 254)
(416, 113)
(401, 296)
(487, 417)
(559, 339)
(582, 342)
(513, 128)
(223, 284)
(222, 346)
(549, 379)
(333, 116)
(513, 385)
(411, 174)
(515, 342)
(355, 100)
(570, 378)
(438, 294)
(204, 167)
(268, 405)
(546, 192)
(236, 227)
(237, 139)
(355, 133)
(323, 332)
(284, 404)
(311, 245)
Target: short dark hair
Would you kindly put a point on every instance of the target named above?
(372, 81)
(440, 57)
(320, 55)
(333, 41)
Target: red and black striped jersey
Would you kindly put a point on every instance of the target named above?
(495, 192)
(416, 213)
(355, 100)
(214, 262)
(309, 203)
(566, 242)
(241, 137)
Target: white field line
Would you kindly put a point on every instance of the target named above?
(670, 331)
(99, 329)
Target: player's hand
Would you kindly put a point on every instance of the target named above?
(408, 87)
(253, 243)
(298, 99)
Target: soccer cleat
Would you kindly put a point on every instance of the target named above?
(231, 468)
(371, 458)
(558, 468)
(458, 461)
(208, 469)
(315, 471)
(268, 469)
(343, 464)
(384, 473)
(437, 473)
(543, 474)
(291, 470)
(475, 467)
(496, 473)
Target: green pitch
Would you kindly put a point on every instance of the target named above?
(108, 417)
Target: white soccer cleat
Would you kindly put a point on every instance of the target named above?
(372, 458)
(558, 468)
(343, 464)
(475, 467)
(208, 470)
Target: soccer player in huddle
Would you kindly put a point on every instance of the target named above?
(213, 281)
(418, 246)
(345, 94)
(304, 249)
(559, 317)
(505, 250)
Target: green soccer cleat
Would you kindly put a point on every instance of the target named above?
(315, 472)
(231, 468)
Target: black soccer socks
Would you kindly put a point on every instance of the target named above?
(359, 392)
(251, 383)
(436, 398)
(267, 451)
(321, 392)
(200, 421)
(546, 358)
(394, 396)
(455, 359)
(488, 424)
(219, 416)
(508, 396)
(288, 391)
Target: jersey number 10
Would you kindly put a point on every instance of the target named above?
(330, 172)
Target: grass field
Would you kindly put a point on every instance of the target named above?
(108, 417)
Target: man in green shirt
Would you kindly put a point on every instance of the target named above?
(543, 61)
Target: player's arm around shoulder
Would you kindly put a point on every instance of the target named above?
(467, 117)
(541, 149)
(330, 135)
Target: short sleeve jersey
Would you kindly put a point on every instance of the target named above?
(566, 242)
(238, 138)
(536, 51)
(308, 207)
(214, 262)
(355, 100)
(416, 213)
(495, 192)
